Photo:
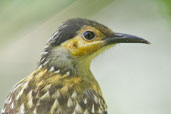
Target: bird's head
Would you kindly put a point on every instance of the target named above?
(82, 40)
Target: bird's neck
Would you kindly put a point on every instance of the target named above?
(60, 59)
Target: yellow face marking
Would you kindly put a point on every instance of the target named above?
(79, 46)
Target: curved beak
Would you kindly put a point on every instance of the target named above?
(125, 38)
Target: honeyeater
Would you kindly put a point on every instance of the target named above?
(63, 82)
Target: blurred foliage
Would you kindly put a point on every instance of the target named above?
(18, 15)
(167, 7)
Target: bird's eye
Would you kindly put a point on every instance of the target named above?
(89, 35)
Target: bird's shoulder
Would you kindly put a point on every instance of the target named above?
(54, 93)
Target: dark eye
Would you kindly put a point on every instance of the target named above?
(89, 35)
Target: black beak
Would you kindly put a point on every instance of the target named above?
(125, 38)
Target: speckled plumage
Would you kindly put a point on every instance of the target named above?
(56, 88)
(63, 82)
(45, 92)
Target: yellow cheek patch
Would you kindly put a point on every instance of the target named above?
(79, 46)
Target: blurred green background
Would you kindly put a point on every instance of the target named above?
(135, 78)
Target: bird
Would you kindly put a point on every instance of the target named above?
(63, 83)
